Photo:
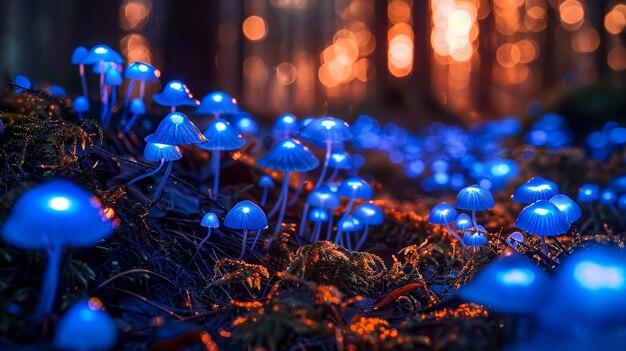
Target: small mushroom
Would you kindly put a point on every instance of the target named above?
(368, 214)
(285, 126)
(246, 216)
(569, 209)
(155, 152)
(174, 94)
(353, 188)
(443, 214)
(474, 198)
(78, 56)
(85, 326)
(80, 105)
(209, 221)
(265, 182)
(537, 188)
(542, 218)
(137, 108)
(318, 216)
(325, 199)
(217, 103)
(142, 72)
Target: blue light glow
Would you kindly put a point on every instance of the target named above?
(593, 276)
(516, 277)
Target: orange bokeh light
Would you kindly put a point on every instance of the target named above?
(254, 28)
(572, 14)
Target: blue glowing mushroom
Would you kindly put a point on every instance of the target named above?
(537, 188)
(568, 207)
(142, 72)
(50, 216)
(588, 193)
(101, 57)
(78, 56)
(209, 221)
(443, 214)
(246, 216)
(474, 198)
(463, 222)
(339, 160)
(112, 80)
(217, 103)
(318, 216)
(244, 123)
(514, 239)
(137, 108)
(175, 94)
(285, 126)
(155, 152)
(542, 218)
(347, 225)
(289, 155)
(368, 214)
(176, 129)
(325, 199)
(265, 182)
(80, 106)
(330, 131)
(221, 137)
(352, 188)
(85, 326)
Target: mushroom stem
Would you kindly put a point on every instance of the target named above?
(102, 98)
(243, 244)
(326, 161)
(149, 173)
(163, 180)
(200, 244)
(173, 109)
(83, 80)
(329, 233)
(452, 232)
(276, 205)
(285, 194)
(215, 164)
(51, 279)
(129, 90)
(131, 123)
(264, 197)
(142, 89)
(113, 102)
(295, 196)
(105, 106)
(305, 212)
(333, 175)
(544, 246)
(363, 237)
(345, 215)
(316, 232)
(474, 219)
(256, 238)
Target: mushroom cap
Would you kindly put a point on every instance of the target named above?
(542, 218)
(56, 213)
(217, 102)
(618, 183)
(621, 202)
(155, 152)
(80, 104)
(289, 155)
(463, 222)
(176, 129)
(142, 71)
(327, 129)
(340, 159)
(222, 136)
(569, 209)
(85, 327)
(79, 54)
(245, 123)
(318, 214)
(350, 224)
(474, 197)
(58, 91)
(608, 196)
(369, 214)
(175, 93)
(474, 239)
(266, 181)
(22, 81)
(588, 193)
(113, 77)
(305, 121)
(514, 239)
(443, 213)
(510, 284)
(210, 220)
(106, 65)
(323, 197)
(102, 52)
(537, 188)
(245, 215)
(286, 123)
(355, 188)
(137, 106)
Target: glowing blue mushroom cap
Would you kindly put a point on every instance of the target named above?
(245, 123)
(618, 183)
(508, 285)
(155, 152)
(22, 81)
(474, 239)
(570, 209)
(81, 104)
(621, 202)
(443, 213)
(355, 188)
(318, 215)
(176, 129)
(537, 188)
(369, 214)
(323, 197)
(222, 136)
(113, 77)
(542, 218)
(102, 53)
(142, 71)
(58, 91)
(85, 327)
(463, 222)
(210, 220)
(588, 193)
(608, 196)
(289, 155)
(350, 224)
(56, 213)
(106, 65)
(217, 102)
(175, 93)
(245, 215)
(79, 54)
(266, 181)
(340, 159)
(286, 124)
(514, 239)
(327, 129)
(474, 197)
(137, 106)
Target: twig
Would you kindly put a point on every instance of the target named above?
(129, 272)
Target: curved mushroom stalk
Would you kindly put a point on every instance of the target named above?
(83, 80)
(215, 164)
(284, 193)
(363, 238)
(151, 173)
(454, 234)
(131, 123)
(50, 282)
(317, 228)
(296, 195)
(305, 212)
(208, 235)
(320, 181)
(243, 244)
(264, 196)
(129, 91)
(163, 180)
(329, 232)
